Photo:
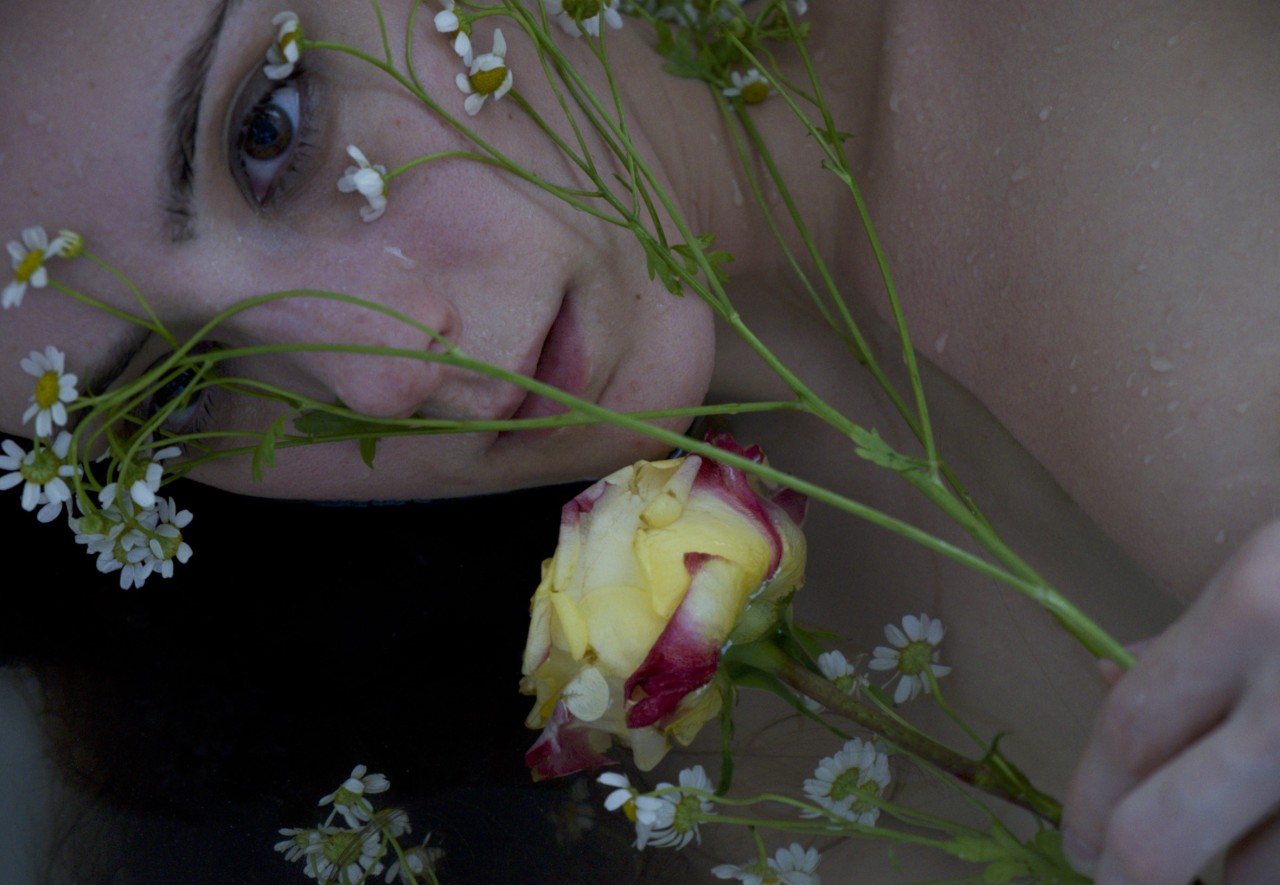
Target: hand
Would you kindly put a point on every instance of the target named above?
(1184, 758)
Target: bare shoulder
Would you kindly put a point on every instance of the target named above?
(1082, 207)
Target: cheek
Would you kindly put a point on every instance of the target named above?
(670, 363)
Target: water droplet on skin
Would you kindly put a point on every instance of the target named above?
(940, 343)
(1172, 41)
(405, 261)
(1072, 389)
(1144, 391)
(1140, 267)
(1241, 408)
(1046, 112)
(1173, 406)
(1146, 459)
(1074, 359)
(895, 101)
(1172, 433)
(1220, 536)
(1115, 44)
(1022, 173)
(1161, 364)
(1155, 164)
(738, 199)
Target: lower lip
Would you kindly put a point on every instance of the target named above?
(562, 364)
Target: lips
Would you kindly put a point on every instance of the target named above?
(562, 364)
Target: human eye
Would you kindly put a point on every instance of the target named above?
(270, 137)
(183, 398)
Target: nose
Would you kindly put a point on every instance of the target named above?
(377, 384)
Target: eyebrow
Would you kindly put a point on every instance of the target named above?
(185, 96)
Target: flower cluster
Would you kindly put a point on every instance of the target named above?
(131, 529)
(354, 853)
(847, 784)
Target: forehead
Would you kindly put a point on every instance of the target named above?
(87, 95)
(86, 104)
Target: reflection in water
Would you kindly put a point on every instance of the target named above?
(192, 719)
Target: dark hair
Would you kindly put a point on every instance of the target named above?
(199, 714)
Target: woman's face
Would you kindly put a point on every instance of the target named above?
(127, 121)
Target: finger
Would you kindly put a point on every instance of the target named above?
(1180, 817)
(1111, 672)
(1185, 683)
(1255, 860)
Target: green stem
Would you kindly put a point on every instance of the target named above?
(980, 774)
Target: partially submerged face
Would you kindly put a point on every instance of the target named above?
(206, 183)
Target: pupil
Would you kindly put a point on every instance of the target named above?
(268, 134)
(172, 390)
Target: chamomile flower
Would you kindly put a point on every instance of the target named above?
(457, 28)
(300, 842)
(45, 472)
(283, 54)
(836, 667)
(914, 651)
(54, 388)
(752, 88)
(345, 855)
(168, 545)
(417, 860)
(124, 550)
(69, 244)
(576, 16)
(140, 482)
(793, 865)
(843, 783)
(28, 259)
(489, 75)
(679, 826)
(369, 180)
(349, 799)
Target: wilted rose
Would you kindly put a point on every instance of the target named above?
(658, 566)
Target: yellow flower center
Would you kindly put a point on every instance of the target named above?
(47, 389)
(755, 92)
(286, 41)
(169, 546)
(488, 82)
(29, 265)
(578, 10)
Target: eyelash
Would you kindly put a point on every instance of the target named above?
(263, 179)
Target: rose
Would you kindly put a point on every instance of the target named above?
(658, 566)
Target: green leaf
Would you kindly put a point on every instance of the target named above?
(368, 449)
(264, 453)
(869, 445)
(323, 425)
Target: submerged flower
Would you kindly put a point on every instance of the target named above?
(369, 180)
(54, 388)
(843, 783)
(45, 472)
(576, 16)
(285, 52)
(679, 826)
(417, 861)
(752, 88)
(914, 651)
(793, 865)
(345, 855)
(449, 23)
(349, 799)
(658, 565)
(28, 259)
(489, 75)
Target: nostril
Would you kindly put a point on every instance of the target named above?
(387, 387)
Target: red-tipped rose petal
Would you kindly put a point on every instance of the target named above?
(564, 747)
